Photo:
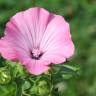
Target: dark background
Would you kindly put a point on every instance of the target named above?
(81, 14)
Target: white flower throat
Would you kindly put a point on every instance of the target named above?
(36, 54)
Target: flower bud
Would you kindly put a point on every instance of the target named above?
(4, 76)
(43, 88)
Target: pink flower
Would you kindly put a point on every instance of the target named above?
(37, 38)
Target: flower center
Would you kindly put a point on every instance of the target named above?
(36, 54)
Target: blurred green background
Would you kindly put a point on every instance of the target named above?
(81, 14)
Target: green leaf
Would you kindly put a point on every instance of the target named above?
(8, 89)
(67, 76)
(73, 68)
(16, 69)
(65, 69)
(26, 85)
(33, 90)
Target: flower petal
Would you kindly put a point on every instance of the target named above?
(13, 42)
(56, 42)
(37, 20)
(6, 51)
(36, 67)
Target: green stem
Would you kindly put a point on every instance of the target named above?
(19, 83)
(25, 94)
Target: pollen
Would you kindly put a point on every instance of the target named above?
(36, 54)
